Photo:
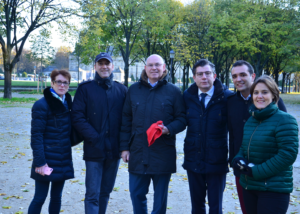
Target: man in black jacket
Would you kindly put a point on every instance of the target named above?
(148, 101)
(238, 112)
(96, 115)
(205, 147)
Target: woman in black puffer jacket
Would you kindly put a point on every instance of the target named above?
(50, 142)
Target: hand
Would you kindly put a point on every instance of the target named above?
(40, 170)
(237, 165)
(165, 130)
(125, 156)
(247, 171)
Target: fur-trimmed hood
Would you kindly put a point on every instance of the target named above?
(56, 106)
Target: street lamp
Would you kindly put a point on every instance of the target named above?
(136, 73)
(172, 55)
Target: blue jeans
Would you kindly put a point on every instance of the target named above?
(40, 195)
(139, 187)
(99, 182)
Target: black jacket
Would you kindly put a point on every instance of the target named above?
(238, 114)
(205, 147)
(96, 115)
(50, 137)
(144, 106)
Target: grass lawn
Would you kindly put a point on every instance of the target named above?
(292, 98)
(31, 83)
(16, 100)
(72, 93)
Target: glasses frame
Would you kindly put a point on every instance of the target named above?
(61, 83)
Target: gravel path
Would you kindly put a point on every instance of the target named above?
(16, 184)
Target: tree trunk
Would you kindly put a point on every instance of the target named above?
(7, 82)
(183, 78)
(283, 81)
(290, 84)
(276, 76)
(126, 71)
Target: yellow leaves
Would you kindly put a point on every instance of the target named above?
(170, 191)
(185, 179)
(19, 212)
(3, 162)
(83, 199)
(6, 207)
(171, 179)
(17, 148)
(2, 194)
(21, 153)
(116, 189)
(74, 181)
(61, 211)
(83, 169)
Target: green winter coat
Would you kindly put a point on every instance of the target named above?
(271, 143)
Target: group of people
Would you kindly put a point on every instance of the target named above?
(113, 122)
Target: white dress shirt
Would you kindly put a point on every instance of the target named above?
(209, 95)
(247, 97)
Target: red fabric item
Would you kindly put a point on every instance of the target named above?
(154, 132)
(240, 193)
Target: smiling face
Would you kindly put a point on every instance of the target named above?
(104, 68)
(242, 79)
(262, 96)
(60, 85)
(154, 68)
(204, 78)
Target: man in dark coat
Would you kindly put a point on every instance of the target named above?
(243, 76)
(205, 146)
(96, 115)
(148, 101)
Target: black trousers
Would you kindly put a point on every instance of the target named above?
(213, 185)
(259, 202)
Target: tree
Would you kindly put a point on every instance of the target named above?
(18, 20)
(41, 49)
(124, 19)
(24, 74)
(62, 57)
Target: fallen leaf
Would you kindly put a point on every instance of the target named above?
(3, 162)
(74, 181)
(2, 194)
(62, 211)
(82, 199)
(169, 208)
(19, 212)
(25, 190)
(6, 207)
(116, 188)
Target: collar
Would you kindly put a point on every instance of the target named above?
(247, 98)
(104, 82)
(154, 84)
(209, 93)
(54, 94)
(262, 114)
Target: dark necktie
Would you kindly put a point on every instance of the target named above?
(203, 95)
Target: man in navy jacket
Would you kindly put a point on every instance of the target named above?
(97, 115)
(243, 76)
(205, 146)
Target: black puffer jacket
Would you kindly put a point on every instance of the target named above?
(50, 137)
(144, 106)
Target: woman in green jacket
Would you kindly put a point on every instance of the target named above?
(268, 151)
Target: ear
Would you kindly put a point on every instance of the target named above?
(253, 77)
(194, 77)
(52, 84)
(112, 66)
(164, 67)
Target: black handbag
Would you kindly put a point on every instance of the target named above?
(76, 138)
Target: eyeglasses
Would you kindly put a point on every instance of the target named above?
(207, 73)
(60, 83)
(156, 65)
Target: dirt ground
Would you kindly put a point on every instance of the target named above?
(17, 188)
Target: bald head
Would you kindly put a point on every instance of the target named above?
(156, 56)
(155, 67)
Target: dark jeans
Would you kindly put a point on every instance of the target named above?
(139, 187)
(99, 182)
(214, 184)
(40, 195)
(258, 202)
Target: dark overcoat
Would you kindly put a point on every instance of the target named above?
(145, 105)
(205, 147)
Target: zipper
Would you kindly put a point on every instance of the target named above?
(250, 141)
(249, 152)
